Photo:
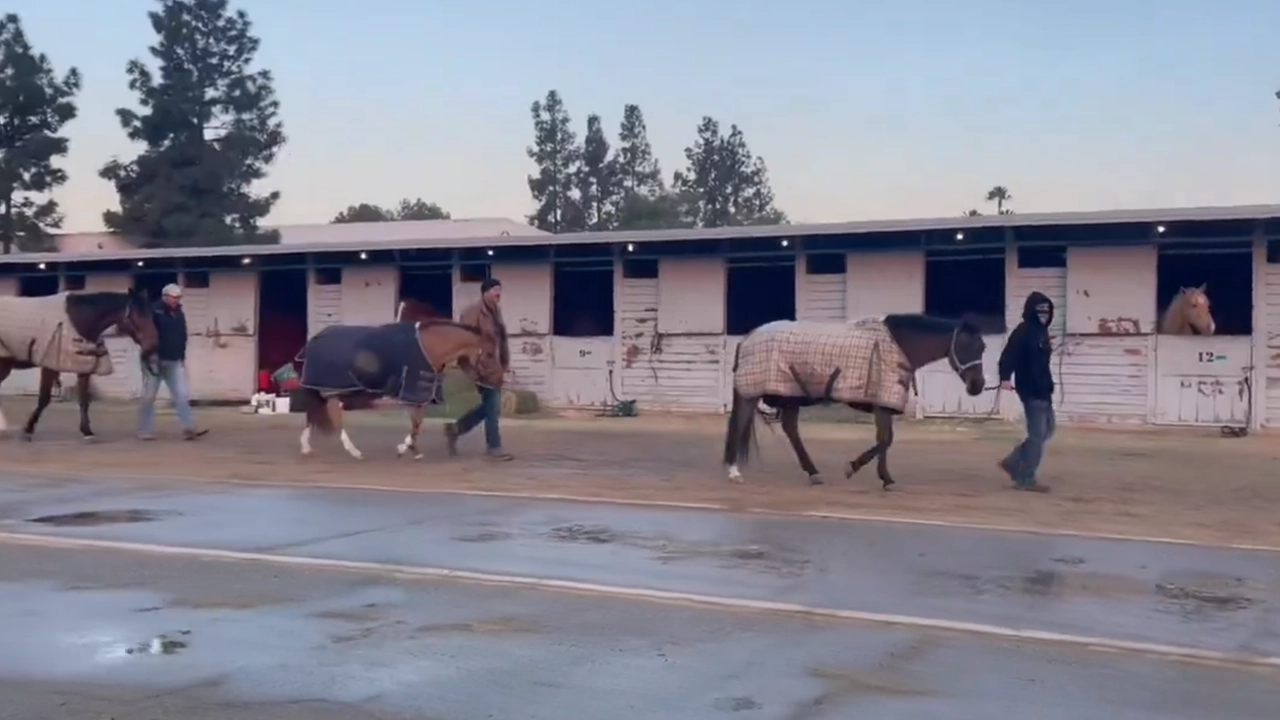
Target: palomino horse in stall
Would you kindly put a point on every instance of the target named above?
(1188, 314)
(867, 365)
(402, 360)
(62, 333)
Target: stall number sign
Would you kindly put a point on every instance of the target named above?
(1209, 356)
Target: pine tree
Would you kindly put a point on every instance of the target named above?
(724, 182)
(210, 125)
(637, 169)
(556, 153)
(596, 179)
(419, 209)
(34, 106)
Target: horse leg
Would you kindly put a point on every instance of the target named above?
(5, 369)
(42, 401)
(334, 407)
(884, 438)
(791, 428)
(416, 413)
(83, 397)
(737, 443)
(858, 463)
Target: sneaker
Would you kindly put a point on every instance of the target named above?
(194, 434)
(451, 438)
(499, 455)
(1034, 487)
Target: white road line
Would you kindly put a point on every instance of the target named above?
(677, 505)
(1176, 652)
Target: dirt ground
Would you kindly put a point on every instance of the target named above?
(1184, 484)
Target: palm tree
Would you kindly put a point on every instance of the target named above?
(1000, 195)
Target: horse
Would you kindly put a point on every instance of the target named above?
(921, 340)
(63, 333)
(1188, 313)
(411, 310)
(403, 359)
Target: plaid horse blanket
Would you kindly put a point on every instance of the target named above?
(35, 331)
(384, 360)
(855, 362)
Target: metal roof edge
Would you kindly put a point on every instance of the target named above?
(1103, 217)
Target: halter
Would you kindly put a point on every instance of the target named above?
(954, 360)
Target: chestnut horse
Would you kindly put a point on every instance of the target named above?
(1188, 314)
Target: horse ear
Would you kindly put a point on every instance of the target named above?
(1203, 286)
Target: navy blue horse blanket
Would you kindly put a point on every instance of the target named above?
(382, 360)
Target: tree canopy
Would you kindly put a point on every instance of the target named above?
(210, 129)
(417, 209)
(35, 104)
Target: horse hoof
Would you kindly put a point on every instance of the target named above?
(816, 480)
(417, 456)
(26, 437)
(851, 470)
(887, 484)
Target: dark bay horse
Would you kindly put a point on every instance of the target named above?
(397, 353)
(90, 314)
(922, 339)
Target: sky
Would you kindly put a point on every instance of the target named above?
(862, 110)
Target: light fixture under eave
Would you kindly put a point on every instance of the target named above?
(785, 242)
(1160, 229)
(489, 252)
(43, 266)
(364, 255)
(631, 247)
(140, 263)
(246, 260)
(959, 236)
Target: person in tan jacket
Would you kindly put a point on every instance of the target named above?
(490, 371)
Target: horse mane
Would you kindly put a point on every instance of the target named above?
(102, 300)
(1174, 315)
(928, 324)
(449, 323)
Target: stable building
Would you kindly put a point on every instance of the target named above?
(655, 316)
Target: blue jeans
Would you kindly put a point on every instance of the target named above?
(174, 376)
(1025, 458)
(488, 410)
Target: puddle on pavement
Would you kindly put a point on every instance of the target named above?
(1193, 602)
(161, 644)
(90, 518)
(582, 533)
(484, 536)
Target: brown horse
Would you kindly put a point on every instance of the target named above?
(921, 338)
(89, 315)
(412, 310)
(1188, 314)
(441, 344)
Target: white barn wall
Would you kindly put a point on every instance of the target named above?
(1021, 283)
(526, 308)
(820, 297)
(19, 382)
(222, 344)
(687, 348)
(324, 303)
(1267, 335)
(1105, 368)
(370, 294)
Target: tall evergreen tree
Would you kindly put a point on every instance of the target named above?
(210, 125)
(596, 179)
(34, 106)
(556, 153)
(419, 209)
(637, 169)
(724, 181)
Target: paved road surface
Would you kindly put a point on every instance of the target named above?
(1215, 599)
(266, 642)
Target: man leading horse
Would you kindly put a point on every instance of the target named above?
(486, 314)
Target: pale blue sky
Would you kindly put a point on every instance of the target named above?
(862, 109)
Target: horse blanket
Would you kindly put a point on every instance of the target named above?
(855, 362)
(36, 331)
(385, 360)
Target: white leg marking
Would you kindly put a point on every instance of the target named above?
(403, 447)
(734, 473)
(4, 424)
(350, 446)
(305, 440)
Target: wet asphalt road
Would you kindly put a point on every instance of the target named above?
(272, 643)
(1215, 599)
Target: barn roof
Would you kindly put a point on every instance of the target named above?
(354, 237)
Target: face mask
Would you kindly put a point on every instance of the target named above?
(1043, 313)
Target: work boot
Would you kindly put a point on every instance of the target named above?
(451, 438)
(1032, 486)
(194, 434)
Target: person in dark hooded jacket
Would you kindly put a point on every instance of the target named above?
(1025, 369)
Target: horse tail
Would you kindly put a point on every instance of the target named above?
(317, 409)
(740, 431)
